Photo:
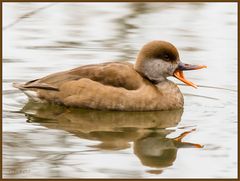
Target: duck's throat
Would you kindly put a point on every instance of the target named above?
(158, 80)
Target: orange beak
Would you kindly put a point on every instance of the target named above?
(178, 73)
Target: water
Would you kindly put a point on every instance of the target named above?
(49, 141)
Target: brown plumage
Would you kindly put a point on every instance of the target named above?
(116, 85)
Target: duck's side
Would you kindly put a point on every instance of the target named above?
(107, 86)
(118, 85)
(92, 94)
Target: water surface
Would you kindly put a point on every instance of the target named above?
(51, 141)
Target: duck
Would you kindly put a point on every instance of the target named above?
(119, 86)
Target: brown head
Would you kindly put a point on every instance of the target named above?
(158, 60)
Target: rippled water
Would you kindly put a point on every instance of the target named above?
(51, 141)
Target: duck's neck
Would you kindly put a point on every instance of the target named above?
(171, 93)
(167, 86)
(165, 83)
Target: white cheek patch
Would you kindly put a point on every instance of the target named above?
(157, 69)
(166, 68)
(171, 68)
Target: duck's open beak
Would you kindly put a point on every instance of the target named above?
(178, 73)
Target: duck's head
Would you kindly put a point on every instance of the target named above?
(158, 60)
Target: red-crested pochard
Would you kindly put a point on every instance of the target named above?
(118, 85)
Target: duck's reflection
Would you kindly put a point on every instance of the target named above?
(116, 130)
(157, 151)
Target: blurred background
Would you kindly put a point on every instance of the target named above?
(46, 141)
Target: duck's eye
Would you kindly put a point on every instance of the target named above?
(166, 57)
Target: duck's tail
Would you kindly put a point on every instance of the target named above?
(32, 95)
(27, 86)
(18, 85)
(30, 89)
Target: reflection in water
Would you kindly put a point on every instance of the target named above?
(156, 150)
(26, 16)
(115, 130)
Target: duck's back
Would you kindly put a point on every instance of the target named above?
(109, 86)
(117, 74)
(85, 80)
